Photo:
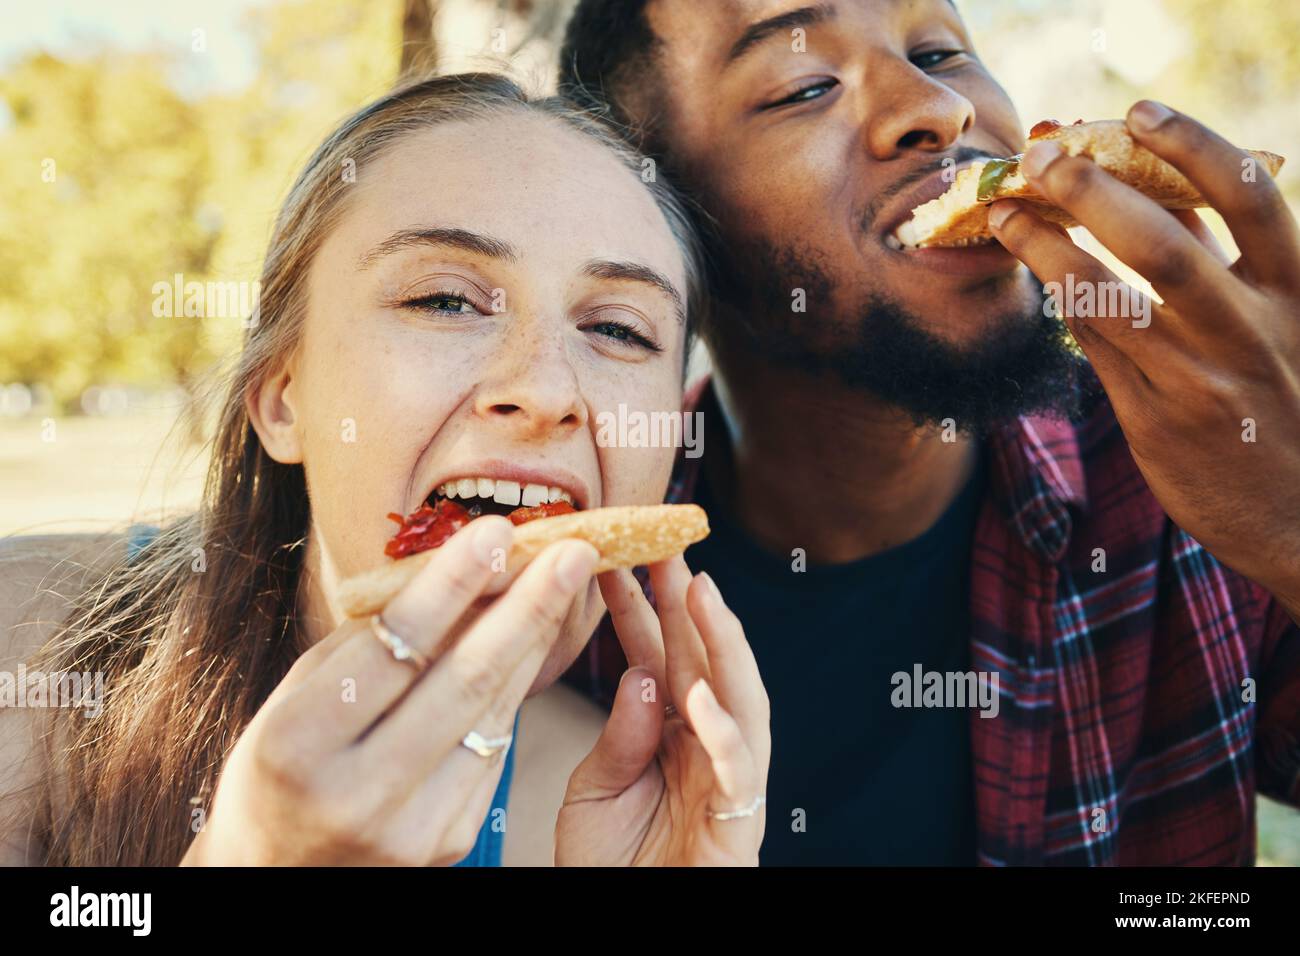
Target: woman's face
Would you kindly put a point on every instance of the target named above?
(491, 289)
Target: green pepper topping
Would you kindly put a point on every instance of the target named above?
(991, 177)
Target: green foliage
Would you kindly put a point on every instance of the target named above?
(114, 182)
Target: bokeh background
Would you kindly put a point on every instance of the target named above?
(140, 139)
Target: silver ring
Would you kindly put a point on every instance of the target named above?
(748, 811)
(486, 746)
(401, 651)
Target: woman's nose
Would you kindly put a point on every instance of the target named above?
(532, 387)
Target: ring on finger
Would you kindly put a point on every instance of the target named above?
(748, 811)
(486, 746)
(401, 651)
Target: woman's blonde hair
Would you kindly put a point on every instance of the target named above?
(189, 655)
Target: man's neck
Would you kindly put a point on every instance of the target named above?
(810, 463)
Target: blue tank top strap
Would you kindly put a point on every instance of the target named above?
(487, 848)
(138, 537)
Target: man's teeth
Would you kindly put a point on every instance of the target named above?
(503, 491)
(893, 242)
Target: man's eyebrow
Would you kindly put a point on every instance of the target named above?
(635, 272)
(756, 33)
(462, 239)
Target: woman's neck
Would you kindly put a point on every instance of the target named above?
(318, 617)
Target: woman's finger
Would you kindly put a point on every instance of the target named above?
(737, 783)
(736, 679)
(635, 623)
(625, 747)
(685, 660)
(362, 680)
(480, 683)
(446, 809)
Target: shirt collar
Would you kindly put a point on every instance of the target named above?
(1035, 475)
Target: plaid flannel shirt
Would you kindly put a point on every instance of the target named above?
(1141, 706)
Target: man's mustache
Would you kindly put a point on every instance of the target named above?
(953, 158)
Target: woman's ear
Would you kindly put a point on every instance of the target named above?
(271, 412)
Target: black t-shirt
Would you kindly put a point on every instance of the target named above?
(855, 780)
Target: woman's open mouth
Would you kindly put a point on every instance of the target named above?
(497, 496)
(455, 503)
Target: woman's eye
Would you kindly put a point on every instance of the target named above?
(445, 303)
(812, 92)
(624, 335)
(933, 57)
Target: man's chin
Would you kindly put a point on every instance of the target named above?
(967, 313)
(1014, 359)
(974, 350)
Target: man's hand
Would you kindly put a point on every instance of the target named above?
(1207, 393)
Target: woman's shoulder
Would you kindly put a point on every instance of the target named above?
(40, 575)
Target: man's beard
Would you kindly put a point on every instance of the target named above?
(1024, 362)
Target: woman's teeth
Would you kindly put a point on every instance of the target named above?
(503, 492)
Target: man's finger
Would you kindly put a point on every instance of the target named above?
(1231, 180)
(1138, 230)
(1121, 346)
(1198, 228)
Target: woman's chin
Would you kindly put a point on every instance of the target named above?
(579, 625)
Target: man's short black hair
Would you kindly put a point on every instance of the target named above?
(609, 49)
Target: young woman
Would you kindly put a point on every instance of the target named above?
(459, 283)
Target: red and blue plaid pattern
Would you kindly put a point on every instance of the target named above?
(1142, 706)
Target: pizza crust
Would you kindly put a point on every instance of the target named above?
(958, 218)
(626, 537)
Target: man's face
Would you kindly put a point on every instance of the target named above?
(810, 131)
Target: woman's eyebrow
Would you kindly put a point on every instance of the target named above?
(462, 239)
(635, 272)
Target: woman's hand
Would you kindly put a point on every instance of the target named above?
(648, 792)
(356, 757)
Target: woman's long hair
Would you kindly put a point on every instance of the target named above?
(194, 634)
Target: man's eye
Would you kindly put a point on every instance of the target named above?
(812, 92)
(442, 302)
(933, 57)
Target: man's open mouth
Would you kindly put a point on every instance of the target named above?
(494, 496)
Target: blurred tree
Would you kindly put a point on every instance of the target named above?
(114, 183)
(419, 45)
(106, 169)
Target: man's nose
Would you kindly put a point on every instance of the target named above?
(905, 108)
(532, 387)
